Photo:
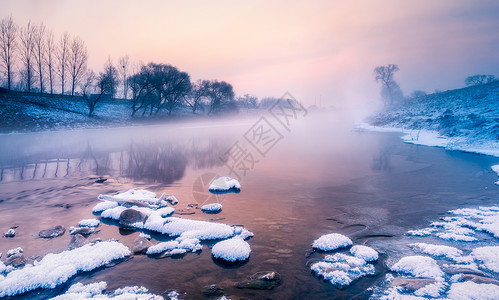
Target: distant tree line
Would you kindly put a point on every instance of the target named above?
(32, 60)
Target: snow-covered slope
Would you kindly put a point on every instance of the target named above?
(467, 118)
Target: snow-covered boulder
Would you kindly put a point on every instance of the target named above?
(224, 184)
(332, 241)
(104, 205)
(341, 269)
(418, 266)
(144, 196)
(89, 223)
(232, 250)
(212, 207)
(364, 252)
(96, 290)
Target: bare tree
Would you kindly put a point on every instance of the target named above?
(109, 78)
(124, 63)
(27, 36)
(92, 90)
(62, 54)
(39, 51)
(8, 44)
(390, 89)
(77, 62)
(479, 79)
(198, 93)
(221, 95)
(50, 52)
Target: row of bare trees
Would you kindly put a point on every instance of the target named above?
(32, 54)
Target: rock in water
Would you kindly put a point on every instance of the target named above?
(133, 202)
(225, 184)
(141, 245)
(15, 259)
(77, 241)
(10, 233)
(52, 232)
(212, 291)
(130, 216)
(266, 280)
(86, 231)
(172, 200)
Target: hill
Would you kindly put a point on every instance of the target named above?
(462, 119)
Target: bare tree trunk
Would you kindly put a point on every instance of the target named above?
(49, 57)
(62, 58)
(77, 61)
(39, 45)
(27, 51)
(8, 43)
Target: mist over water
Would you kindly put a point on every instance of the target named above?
(320, 177)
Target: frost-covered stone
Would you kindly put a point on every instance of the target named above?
(55, 269)
(162, 247)
(212, 207)
(364, 252)
(52, 232)
(418, 266)
(89, 223)
(113, 213)
(331, 242)
(10, 233)
(341, 270)
(232, 250)
(224, 184)
(471, 290)
(172, 200)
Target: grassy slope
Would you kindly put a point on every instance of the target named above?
(471, 113)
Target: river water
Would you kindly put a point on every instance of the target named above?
(299, 181)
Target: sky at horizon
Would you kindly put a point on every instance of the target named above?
(319, 51)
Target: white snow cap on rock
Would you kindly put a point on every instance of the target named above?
(341, 269)
(418, 266)
(224, 184)
(104, 205)
(139, 195)
(448, 252)
(487, 257)
(212, 207)
(231, 250)
(55, 269)
(364, 252)
(95, 291)
(469, 290)
(331, 242)
(89, 223)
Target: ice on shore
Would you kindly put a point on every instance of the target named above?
(55, 269)
(364, 252)
(212, 207)
(96, 291)
(341, 269)
(189, 228)
(487, 257)
(232, 250)
(89, 223)
(331, 242)
(418, 266)
(144, 196)
(471, 290)
(224, 184)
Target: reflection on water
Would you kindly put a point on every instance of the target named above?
(148, 158)
(321, 178)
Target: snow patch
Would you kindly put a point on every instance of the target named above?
(89, 223)
(364, 252)
(95, 291)
(223, 184)
(212, 207)
(341, 270)
(418, 266)
(105, 205)
(471, 290)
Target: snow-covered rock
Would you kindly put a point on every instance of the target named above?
(341, 269)
(113, 213)
(145, 196)
(331, 242)
(104, 205)
(89, 223)
(212, 207)
(231, 250)
(364, 252)
(418, 266)
(162, 247)
(473, 291)
(96, 291)
(223, 184)
(55, 269)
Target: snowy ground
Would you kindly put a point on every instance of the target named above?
(464, 119)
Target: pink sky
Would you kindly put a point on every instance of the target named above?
(313, 49)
